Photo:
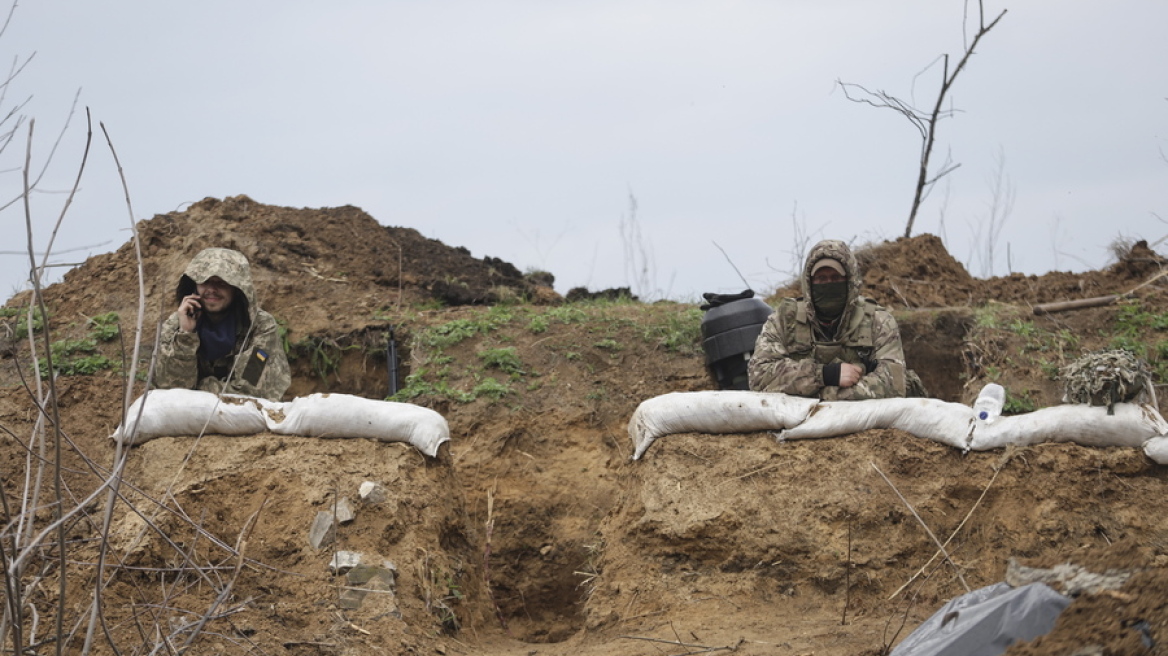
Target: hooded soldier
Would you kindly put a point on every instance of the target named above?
(219, 340)
(831, 342)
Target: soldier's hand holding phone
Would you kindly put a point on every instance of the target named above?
(188, 312)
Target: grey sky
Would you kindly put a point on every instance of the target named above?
(519, 129)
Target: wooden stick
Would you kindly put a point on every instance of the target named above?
(1063, 306)
(1098, 301)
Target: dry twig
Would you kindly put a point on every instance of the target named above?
(695, 649)
(925, 526)
(957, 530)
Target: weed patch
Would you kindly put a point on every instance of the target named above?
(16, 321)
(1133, 324)
(72, 357)
(504, 359)
(491, 388)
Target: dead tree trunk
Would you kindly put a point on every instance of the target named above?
(926, 123)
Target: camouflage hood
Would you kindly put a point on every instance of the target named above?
(836, 250)
(231, 267)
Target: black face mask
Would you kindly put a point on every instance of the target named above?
(829, 299)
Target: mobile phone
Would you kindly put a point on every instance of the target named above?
(194, 312)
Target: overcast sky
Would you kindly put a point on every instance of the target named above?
(522, 129)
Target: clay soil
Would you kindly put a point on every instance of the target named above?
(533, 532)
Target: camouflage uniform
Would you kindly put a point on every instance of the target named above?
(257, 365)
(791, 350)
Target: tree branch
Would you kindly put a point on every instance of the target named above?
(925, 122)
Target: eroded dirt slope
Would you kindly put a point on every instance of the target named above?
(533, 533)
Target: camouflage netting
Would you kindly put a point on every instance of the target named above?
(1107, 378)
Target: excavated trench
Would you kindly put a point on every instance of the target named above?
(543, 548)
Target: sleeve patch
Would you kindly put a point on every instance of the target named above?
(255, 366)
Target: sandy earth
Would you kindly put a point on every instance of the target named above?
(533, 532)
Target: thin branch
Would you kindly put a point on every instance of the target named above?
(997, 470)
(700, 649)
(240, 548)
(925, 122)
(52, 151)
(46, 333)
(731, 262)
(923, 525)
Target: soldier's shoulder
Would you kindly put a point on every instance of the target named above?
(788, 308)
(265, 318)
(872, 307)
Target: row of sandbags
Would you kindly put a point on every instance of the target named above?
(191, 412)
(182, 412)
(793, 417)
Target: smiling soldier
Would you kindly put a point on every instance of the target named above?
(219, 340)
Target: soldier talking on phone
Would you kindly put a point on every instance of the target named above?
(219, 340)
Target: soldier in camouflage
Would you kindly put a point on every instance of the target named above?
(836, 346)
(219, 340)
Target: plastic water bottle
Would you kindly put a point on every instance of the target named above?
(990, 402)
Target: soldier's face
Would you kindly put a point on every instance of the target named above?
(216, 294)
(826, 275)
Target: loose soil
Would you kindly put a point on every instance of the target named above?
(533, 532)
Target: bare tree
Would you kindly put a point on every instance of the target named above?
(925, 122)
(42, 512)
(640, 265)
(986, 232)
(800, 244)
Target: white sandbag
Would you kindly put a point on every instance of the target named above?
(1157, 449)
(947, 423)
(953, 424)
(714, 412)
(344, 415)
(1089, 425)
(177, 412)
(182, 412)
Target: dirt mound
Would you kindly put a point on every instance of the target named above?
(533, 532)
(321, 270)
(918, 272)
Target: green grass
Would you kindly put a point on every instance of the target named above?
(1133, 323)
(538, 324)
(80, 357)
(417, 386)
(1041, 348)
(496, 333)
(105, 327)
(72, 357)
(491, 388)
(455, 332)
(504, 359)
(1018, 404)
(17, 321)
(681, 332)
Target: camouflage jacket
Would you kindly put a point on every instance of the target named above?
(257, 365)
(789, 355)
